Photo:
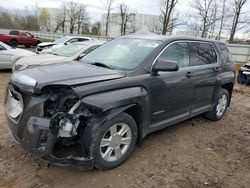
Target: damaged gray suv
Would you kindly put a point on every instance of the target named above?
(92, 113)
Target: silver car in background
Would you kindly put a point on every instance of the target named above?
(9, 55)
(48, 47)
(64, 54)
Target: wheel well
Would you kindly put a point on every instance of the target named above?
(229, 88)
(134, 112)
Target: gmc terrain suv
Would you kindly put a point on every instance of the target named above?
(92, 113)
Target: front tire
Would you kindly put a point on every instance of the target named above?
(220, 107)
(115, 141)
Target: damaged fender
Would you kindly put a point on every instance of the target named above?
(109, 105)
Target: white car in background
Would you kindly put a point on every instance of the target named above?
(48, 47)
(9, 55)
(64, 54)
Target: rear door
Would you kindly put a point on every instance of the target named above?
(205, 68)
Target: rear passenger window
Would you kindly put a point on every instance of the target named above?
(202, 54)
(177, 52)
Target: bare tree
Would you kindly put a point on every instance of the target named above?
(108, 6)
(96, 29)
(206, 14)
(72, 14)
(237, 10)
(167, 19)
(44, 19)
(222, 18)
(82, 19)
(127, 19)
(61, 18)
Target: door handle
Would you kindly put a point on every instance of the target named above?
(189, 74)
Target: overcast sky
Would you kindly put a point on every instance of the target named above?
(94, 7)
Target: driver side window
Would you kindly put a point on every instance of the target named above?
(177, 52)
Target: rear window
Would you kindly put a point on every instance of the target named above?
(225, 53)
(14, 32)
(202, 53)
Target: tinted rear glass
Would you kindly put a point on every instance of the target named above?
(202, 53)
(226, 53)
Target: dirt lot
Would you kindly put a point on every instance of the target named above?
(195, 153)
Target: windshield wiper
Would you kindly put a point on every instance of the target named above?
(101, 65)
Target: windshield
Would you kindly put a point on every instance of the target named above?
(69, 50)
(61, 40)
(122, 53)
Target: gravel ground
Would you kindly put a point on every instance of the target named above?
(195, 153)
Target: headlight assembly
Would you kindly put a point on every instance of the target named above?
(24, 82)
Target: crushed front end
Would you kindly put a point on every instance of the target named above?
(244, 74)
(49, 125)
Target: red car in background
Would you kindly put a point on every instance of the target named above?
(15, 38)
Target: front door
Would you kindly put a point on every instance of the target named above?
(172, 92)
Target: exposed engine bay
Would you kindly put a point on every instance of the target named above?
(68, 116)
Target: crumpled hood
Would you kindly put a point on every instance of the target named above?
(70, 74)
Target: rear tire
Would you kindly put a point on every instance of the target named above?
(114, 142)
(220, 107)
(27, 46)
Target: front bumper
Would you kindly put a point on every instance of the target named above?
(32, 132)
(244, 76)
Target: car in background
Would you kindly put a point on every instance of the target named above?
(9, 55)
(15, 38)
(244, 74)
(64, 54)
(48, 47)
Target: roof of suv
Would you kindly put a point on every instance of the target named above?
(164, 37)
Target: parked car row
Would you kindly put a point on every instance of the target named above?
(94, 111)
(20, 59)
(48, 47)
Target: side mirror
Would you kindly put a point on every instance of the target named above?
(67, 43)
(80, 57)
(165, 66)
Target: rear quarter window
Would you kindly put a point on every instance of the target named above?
(225, 53)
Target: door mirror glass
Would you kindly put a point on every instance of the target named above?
(165, 66)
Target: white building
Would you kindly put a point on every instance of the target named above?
(141, 24)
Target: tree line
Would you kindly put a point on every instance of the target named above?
(205, 18)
